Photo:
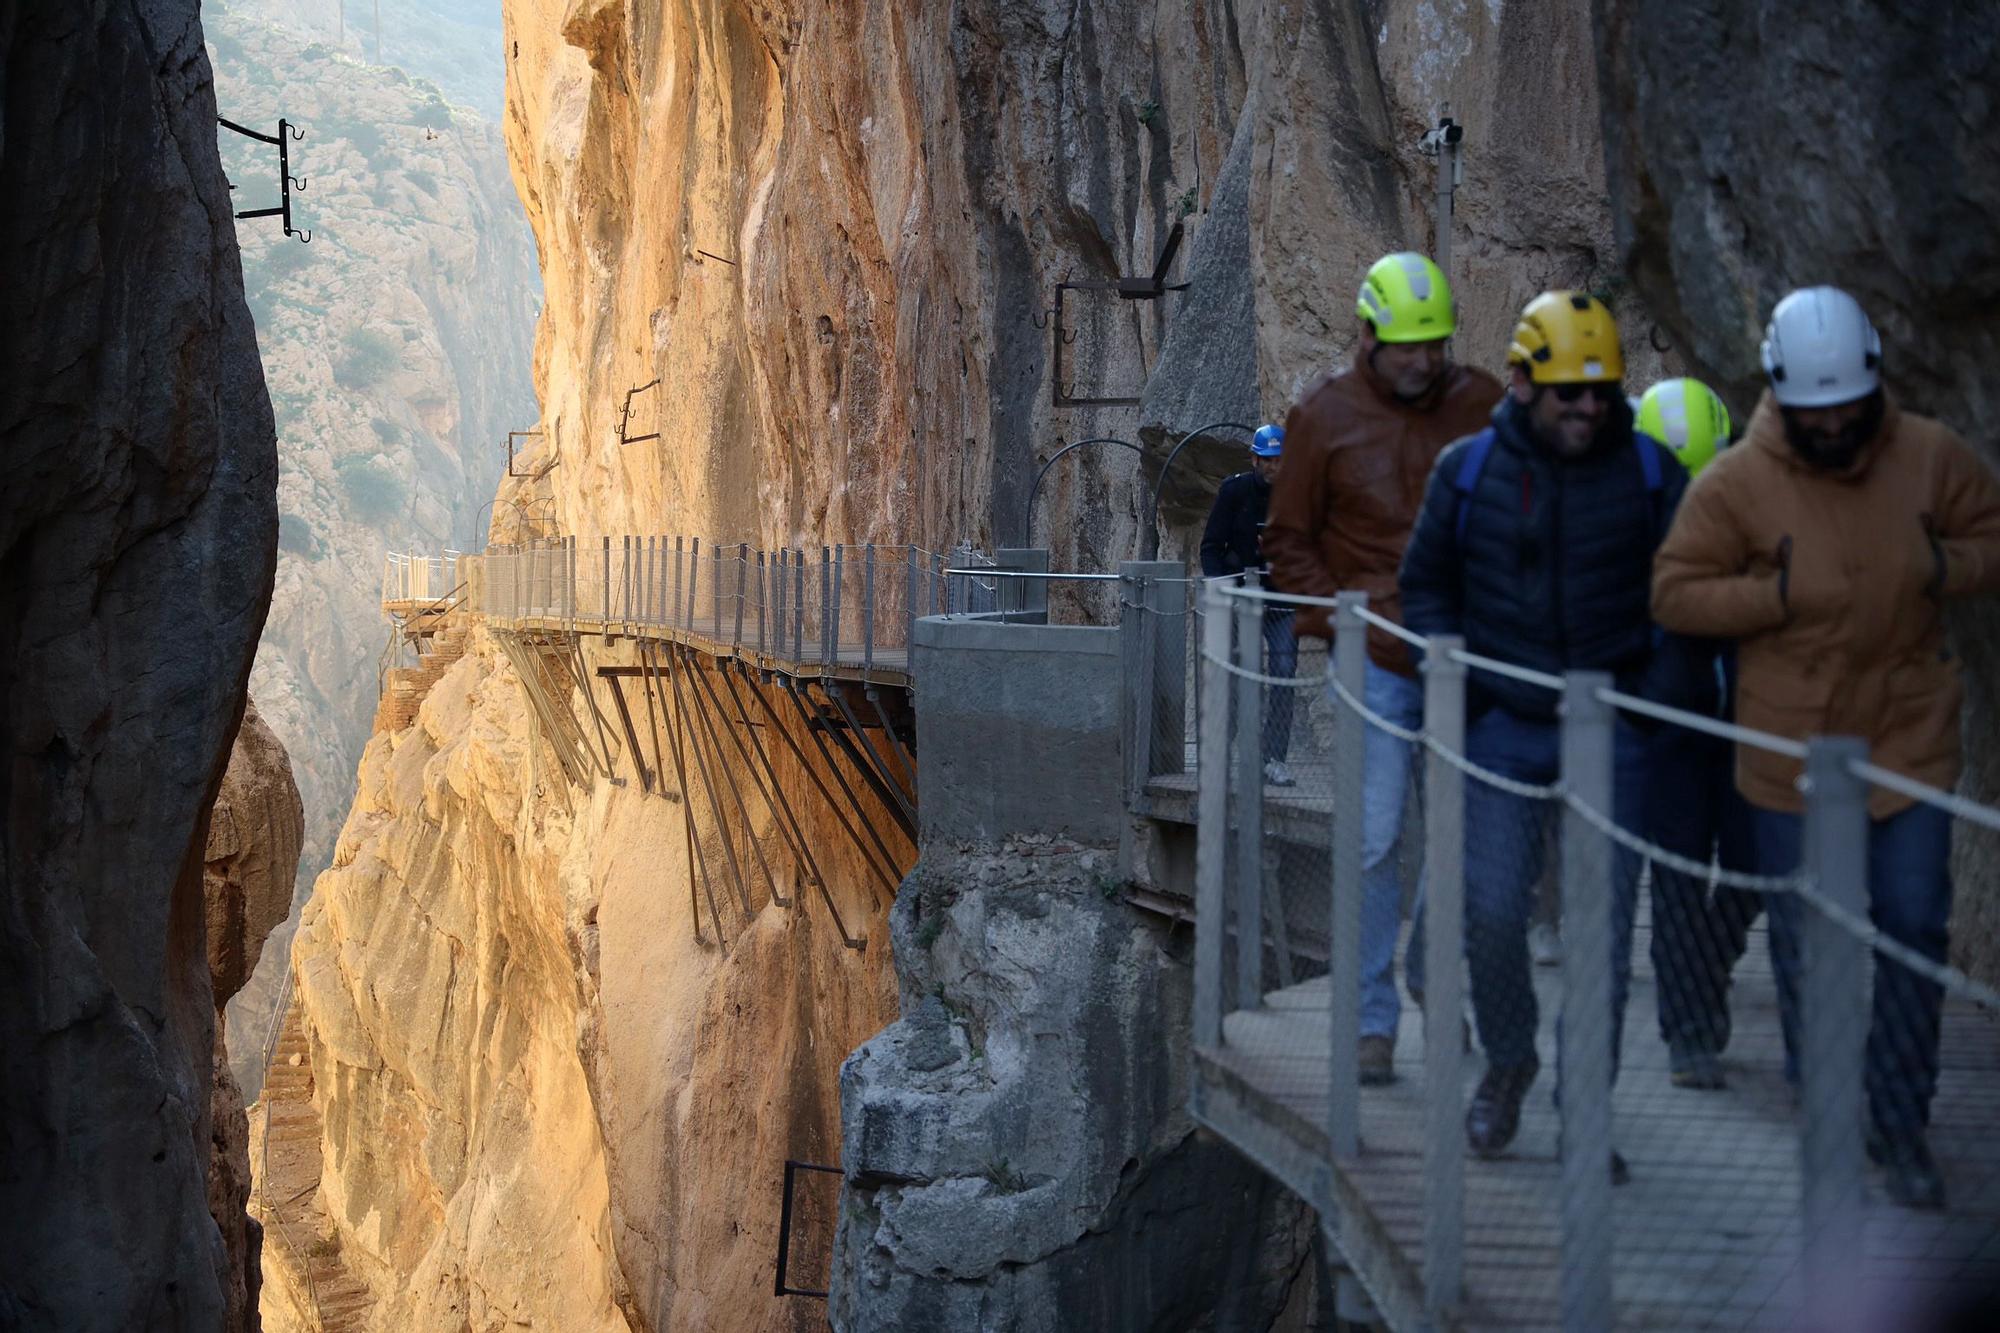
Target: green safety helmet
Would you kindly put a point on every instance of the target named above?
(1687, 417)
(1406, 299)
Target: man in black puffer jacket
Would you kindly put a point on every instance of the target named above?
(1536, 544)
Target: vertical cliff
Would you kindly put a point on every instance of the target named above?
(256, 828)
(821, 243)
(137, 534)
(397, 349)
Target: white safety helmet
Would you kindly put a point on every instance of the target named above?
(1820, 350)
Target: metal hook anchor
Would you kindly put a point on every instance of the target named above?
(1040, 319)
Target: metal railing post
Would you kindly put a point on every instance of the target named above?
(938, 603)
(1444, 948)
(625, 580)
(1833, 1006)
(1211, 842)
(1246, 791)
(909, 602)
(868, 607)
(825, 597)
(715, 596)
(604, 609)
(1350, 666)
(799, 608)
(1584, 1033)
(694, 583)
(763, 602)
(834, 607)
(742, 579)
(678, 615)
(1145, 583)
(569, 580)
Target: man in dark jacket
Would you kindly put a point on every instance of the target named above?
(1230, 544)
(1536, 544)
(1699, 929)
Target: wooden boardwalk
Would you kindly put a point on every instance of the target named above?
(1707, 1232)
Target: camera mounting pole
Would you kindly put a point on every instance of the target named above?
(1442, 143)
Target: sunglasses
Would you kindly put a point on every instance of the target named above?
(1603, 393)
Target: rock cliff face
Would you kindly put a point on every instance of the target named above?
(544, 1099)
(255, 829)
(819, 241)
(1884, 119)
(397, 349)
(1019, 1151)
(137, 535)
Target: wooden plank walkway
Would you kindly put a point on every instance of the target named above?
(1708, 1229)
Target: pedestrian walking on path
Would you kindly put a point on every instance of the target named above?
(1536, 544)
(1231, 544)
(1699, 929)
(1357, 450)
(1826, 544)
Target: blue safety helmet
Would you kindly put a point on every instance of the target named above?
(1269, 441)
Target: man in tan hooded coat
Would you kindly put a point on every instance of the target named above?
(1826, 544)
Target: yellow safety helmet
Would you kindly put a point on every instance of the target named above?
(1567, 338)
(1687, 417)
(1406, 299)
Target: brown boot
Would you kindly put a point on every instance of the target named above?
(1378, 1062)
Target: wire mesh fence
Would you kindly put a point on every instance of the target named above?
(414, 577)
(1747, 1014)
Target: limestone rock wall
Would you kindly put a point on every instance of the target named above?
(544, 1098)
(1882, 117)
(256, 828)
(830, 233)
(1019, 1150)
(137, 534)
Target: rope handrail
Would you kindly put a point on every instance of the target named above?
(1798, 883)
(1970, 811)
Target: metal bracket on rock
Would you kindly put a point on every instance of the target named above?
(287, 133)
(1148, 288)
(625, 415)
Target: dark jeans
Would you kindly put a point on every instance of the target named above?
(1697, 812)
(1281, 658)
(1909, 900)
(1505, 839)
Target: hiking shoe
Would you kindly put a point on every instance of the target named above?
(1909, 1173)
(1276, 774)
(1378, 1062)
(1693, 1067)
(1495, 1114)
(1544, 945)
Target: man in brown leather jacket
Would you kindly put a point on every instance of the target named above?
(1358, 450)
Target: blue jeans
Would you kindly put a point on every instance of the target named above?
(1385, 785)
(1281, 658)
(1505, 837)
(1698, 935)
(1909, 900)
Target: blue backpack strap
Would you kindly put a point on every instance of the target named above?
(1648, 450)
(1477, 451)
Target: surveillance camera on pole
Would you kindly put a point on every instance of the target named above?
(1441, 142)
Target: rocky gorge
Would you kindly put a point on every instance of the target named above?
(525, 1086)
